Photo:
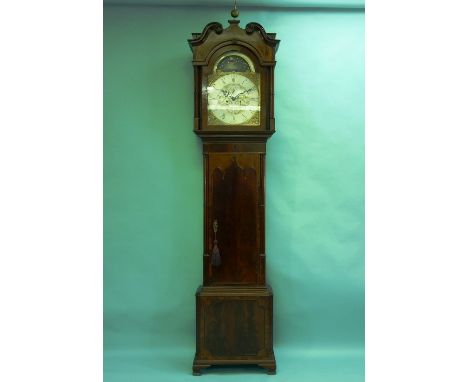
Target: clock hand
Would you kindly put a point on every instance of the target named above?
(245, 91)
(232, 96)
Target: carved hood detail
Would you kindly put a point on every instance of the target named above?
(252, 37)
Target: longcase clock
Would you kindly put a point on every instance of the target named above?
(234, 117)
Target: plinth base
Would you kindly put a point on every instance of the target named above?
(199, 364)
(234, 327)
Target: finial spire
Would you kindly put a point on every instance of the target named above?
(235, 12)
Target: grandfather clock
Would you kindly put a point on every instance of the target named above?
(234, 117)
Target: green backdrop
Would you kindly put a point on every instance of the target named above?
(153, 194)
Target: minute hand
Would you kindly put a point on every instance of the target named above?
(245, 91)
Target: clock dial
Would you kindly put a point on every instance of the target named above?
(234, 99)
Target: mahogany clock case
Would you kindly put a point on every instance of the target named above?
(234, 306)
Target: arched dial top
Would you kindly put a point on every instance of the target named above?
(234, 62)
(234, 91)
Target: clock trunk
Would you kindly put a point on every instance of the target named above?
(234, 191)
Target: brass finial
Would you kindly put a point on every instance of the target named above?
(235, 12)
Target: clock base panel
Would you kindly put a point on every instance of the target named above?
(234, 327)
